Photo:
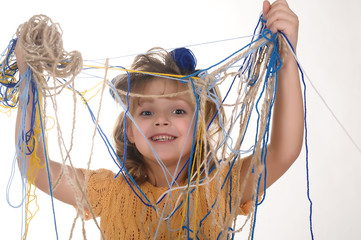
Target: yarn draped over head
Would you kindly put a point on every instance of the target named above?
(185, 59)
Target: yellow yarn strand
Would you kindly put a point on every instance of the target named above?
(33, 170)
(82, 94)
(31, 197)
(194, 160)
(4, 78)
(198, 177)
(5, 110)
(143, 72)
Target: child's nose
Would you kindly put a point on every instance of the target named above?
(161, 121)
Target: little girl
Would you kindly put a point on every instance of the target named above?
(159, 143)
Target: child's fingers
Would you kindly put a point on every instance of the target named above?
(266, 8)
(280, 10)
(280, 2)
(267, 5)
(281, 18)
(281, 25)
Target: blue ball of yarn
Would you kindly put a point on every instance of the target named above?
(185, 59)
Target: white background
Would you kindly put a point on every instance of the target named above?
(329, 51)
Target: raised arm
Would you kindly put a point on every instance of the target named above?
(63, 191)
(288, 117)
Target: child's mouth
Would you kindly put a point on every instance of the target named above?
(162, 138)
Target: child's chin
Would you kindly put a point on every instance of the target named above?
(168, 159)
(171, 159)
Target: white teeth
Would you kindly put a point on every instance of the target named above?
(162, 138)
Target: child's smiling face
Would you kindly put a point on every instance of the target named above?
(167, 123)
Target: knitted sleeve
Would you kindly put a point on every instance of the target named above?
(247, 207)
(98, 188)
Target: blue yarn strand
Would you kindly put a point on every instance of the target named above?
(115, 157)
(192, 152)
(306, 139)
(47, 162)
(273, 67)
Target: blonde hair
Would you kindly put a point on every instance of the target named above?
(155, 60)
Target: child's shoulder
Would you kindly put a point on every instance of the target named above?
(99, 173)
(100, 178)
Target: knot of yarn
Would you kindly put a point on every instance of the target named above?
(42, 47)
(185, 59)
(276, 61)
(267, 34)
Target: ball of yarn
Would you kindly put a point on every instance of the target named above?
(185, 59)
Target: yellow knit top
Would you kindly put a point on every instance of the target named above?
(124, 216)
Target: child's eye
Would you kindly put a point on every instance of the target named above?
(179, 111)
(145, 113)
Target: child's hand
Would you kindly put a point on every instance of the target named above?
(281, 18)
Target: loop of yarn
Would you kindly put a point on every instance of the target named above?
(267, 34)
(42, 48)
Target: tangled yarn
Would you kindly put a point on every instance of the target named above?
(41, 42)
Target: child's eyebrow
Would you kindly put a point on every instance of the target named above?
(186, 101)
(145, 100)
(177, 99)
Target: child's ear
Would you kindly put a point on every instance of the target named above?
(129, 132)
